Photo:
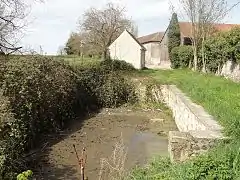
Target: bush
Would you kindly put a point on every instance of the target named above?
(40, 95)
(116, 90)
(116, 65)
(181, 56)
(11, 140)
(175, 62)
(185, 55)
(222, 47)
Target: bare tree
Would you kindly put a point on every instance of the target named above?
(61, 50)
(203, 14)
(103, 26)
(13, 15)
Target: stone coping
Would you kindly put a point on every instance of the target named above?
(212, 128)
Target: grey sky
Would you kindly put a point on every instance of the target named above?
(54, 20)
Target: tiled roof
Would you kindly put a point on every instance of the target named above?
(185, 28)
(155, 37)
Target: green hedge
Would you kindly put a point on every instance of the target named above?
(181, 57)
(40, 95)
(222, 47)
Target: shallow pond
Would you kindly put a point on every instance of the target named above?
(142, 132)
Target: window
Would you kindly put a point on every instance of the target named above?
(187, 41)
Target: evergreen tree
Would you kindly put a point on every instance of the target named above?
(174, 37)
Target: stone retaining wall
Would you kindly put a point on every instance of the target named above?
(198, 131)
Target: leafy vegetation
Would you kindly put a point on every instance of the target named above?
(41, 95)
(173, 36)
(220, 98)
(222, 47)
(182, 56)
(26, 175)
(221, 163)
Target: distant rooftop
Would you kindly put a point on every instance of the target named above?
(185, 28)
(155, 37)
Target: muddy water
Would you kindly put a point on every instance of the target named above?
(143, 133)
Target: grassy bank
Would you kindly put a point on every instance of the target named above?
(220, 98)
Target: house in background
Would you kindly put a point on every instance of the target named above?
(186, 30)
(151, 51)
(155, 57)
(126, 47)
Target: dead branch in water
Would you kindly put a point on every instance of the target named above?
(81, 161)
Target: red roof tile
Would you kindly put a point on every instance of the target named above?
(185, 28)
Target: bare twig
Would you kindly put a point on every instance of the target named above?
(112, 168)
(81, 161)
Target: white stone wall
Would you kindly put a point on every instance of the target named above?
(189, 116)
(231, 70)
(198, 131)
(127, 49)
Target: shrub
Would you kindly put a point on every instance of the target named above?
(216, 50)
(185, 55)
(175, 62)
(222, 47)
(40, 95)
(12, 140)
(116, 90)
(116, 65)
(181, 56)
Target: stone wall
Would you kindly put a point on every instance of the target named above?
(231, 70)
(198, 131)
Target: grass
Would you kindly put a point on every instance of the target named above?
(221, 163)
(219, 96)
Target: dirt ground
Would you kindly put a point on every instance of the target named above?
(143, 132)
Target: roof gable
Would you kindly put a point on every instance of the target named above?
(135, 39)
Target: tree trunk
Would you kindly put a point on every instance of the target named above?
(219, 70)
(195, 58)
(203, 57)
(105, 55)
(190, 64)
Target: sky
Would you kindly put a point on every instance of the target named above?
(52, 22)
